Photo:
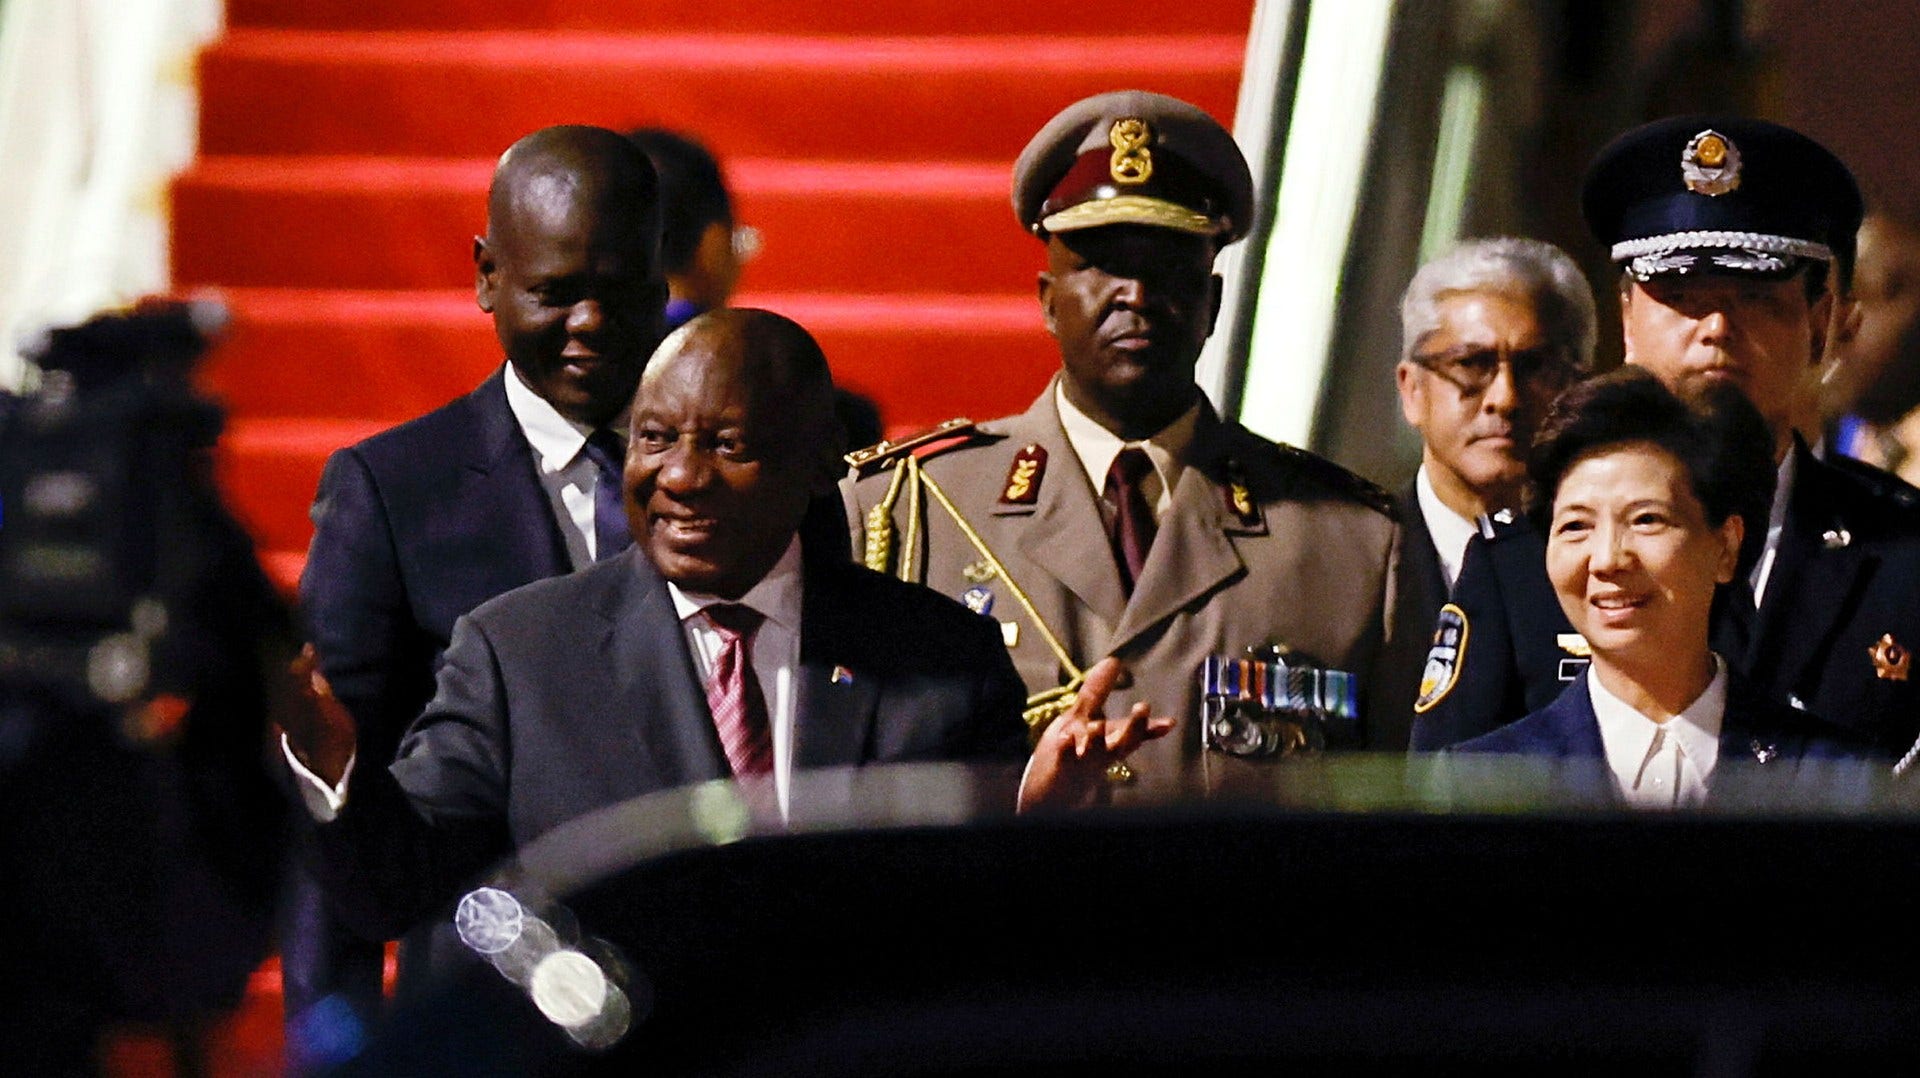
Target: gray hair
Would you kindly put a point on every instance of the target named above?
(1512, 266)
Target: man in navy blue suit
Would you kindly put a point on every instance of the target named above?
(512, 483)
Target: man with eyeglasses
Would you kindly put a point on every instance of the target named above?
(1491, 332)
(1726, 231)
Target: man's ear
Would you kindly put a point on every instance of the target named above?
(483, 273)
(1410, 393)
(1044, 286)
(1819, 316)
(1732, 531)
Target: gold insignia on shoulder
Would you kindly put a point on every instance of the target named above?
(1239, 496)
(1132, 161)
(1891, 660)
(882, 453)
(1024, 476)
(1710, 164)
(1575, 645)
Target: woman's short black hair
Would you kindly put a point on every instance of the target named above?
(1716, 435)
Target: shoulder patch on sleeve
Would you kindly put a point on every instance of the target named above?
(1442, 670)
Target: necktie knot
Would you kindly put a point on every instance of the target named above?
(606, 451)
(1130, 466)
(736, 621)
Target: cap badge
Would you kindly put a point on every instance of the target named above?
(1710, 165)
(1891, 660)
(1132, 161)
(1024, 475)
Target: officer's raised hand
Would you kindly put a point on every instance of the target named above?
(1069, 765)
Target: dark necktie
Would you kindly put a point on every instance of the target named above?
(610, 533)
(733, 692)
(1130, 529)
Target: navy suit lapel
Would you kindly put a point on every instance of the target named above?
(503, 485)
(658, 698)
(836, 699)
(1572, 729)
(1790, 635)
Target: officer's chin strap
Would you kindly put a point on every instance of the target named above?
(1042, 707)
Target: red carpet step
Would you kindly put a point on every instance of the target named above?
(1148, 17)
(893, 98)
(826, 225)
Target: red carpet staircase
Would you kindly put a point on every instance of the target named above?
(346, 147)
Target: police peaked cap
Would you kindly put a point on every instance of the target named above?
(1721, 194)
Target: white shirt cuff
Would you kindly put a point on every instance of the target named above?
(323, 802)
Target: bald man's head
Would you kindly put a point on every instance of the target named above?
(570, 267)
(733, 434)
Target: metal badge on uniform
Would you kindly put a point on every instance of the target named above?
(979, 572)
(1763, 751)
(978, 599)
(1132, 161)
(1836, 539)
(1239, 496)
(1710, 164)
(1442, 670)
(1024, 476)
(1576, 646)
(1891, 659)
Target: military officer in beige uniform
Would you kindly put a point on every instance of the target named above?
(1120, 515)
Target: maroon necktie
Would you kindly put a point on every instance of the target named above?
(1130, 530)
(733, 692)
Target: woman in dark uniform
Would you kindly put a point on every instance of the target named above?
(1645, 500)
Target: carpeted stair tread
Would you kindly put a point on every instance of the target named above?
(388, 356)
(825, 224)
(941, 98)
(918, 16)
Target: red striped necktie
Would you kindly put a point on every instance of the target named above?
(733, 692)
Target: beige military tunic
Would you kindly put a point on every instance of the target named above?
(1260, 544)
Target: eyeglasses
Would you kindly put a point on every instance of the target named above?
(1472, 370)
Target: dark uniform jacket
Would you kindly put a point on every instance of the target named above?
(1261, 544)
(1845, 578)
(1769, 752)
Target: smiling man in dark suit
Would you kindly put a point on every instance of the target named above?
(721, 645)
(512, 483)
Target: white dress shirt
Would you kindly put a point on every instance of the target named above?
(1662, 764)
(776, 649)
(567, 474)
(1096, 446)
(1449, 530)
